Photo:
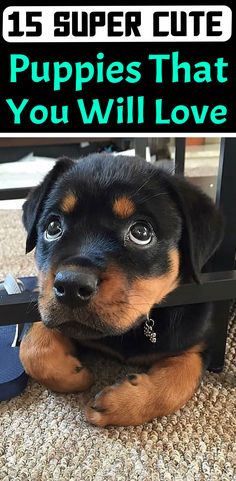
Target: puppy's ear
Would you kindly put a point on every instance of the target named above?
(202, 230)
(34, 204)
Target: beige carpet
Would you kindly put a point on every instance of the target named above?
(44, 436)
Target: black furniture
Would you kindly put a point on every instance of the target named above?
(218, 282)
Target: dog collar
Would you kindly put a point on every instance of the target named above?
(148, 330)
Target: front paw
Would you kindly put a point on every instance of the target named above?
(48, 360)
(128, 403)
(65, 375)
(71, 377)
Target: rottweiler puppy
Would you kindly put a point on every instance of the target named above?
(113, 236)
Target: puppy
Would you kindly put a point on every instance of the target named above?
(113, 236)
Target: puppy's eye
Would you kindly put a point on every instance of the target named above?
(140, 233)
(53, 231)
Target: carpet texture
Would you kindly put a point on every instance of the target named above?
(44, 436)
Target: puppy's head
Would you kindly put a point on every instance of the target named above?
(114, 236)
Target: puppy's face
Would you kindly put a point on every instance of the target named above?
(108, 245)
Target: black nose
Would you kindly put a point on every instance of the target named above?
(74, 287)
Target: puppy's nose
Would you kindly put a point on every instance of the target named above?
(74, 287)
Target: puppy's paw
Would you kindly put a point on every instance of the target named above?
(48, 357)
(71, 377)
(66, 377)
(127, 403)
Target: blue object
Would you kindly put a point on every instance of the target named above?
(13, 378)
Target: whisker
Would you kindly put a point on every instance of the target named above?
(142, 185)
(145, 199)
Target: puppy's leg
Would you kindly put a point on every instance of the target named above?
(166, 387)
(48, 357)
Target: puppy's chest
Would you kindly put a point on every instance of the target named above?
(132, 347)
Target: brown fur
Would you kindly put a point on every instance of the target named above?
(123, 207)
(166, 387)
(68, 203)
(120, 305)
(48, 357)
(46, 298)
(46, 281)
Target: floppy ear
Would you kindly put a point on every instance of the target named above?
(33, 206)
(202, 230)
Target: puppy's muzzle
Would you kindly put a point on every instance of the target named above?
(75, 288)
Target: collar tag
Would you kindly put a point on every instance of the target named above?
(148, 330)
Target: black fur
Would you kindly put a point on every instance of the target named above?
(182, 217)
